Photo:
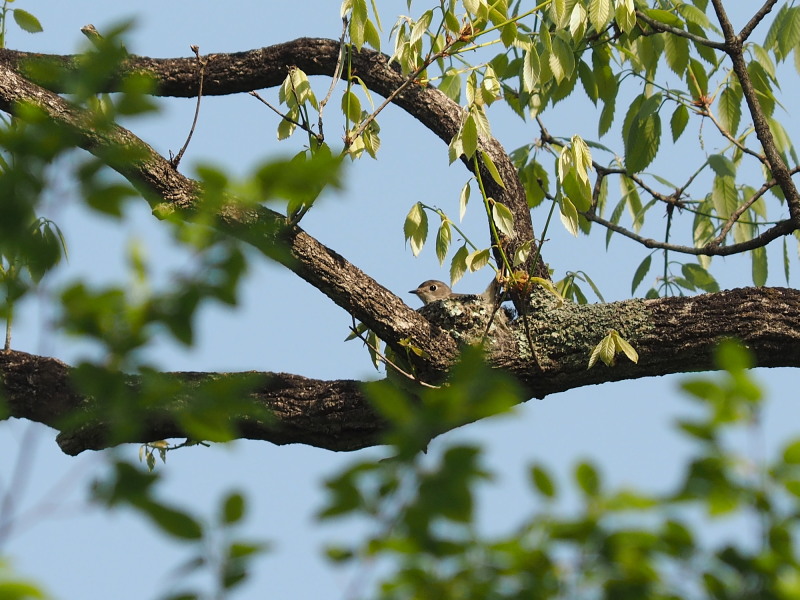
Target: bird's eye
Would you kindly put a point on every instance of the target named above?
(432, 287)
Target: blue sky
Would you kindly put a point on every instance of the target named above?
(283, 324)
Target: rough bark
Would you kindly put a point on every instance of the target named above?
(671, 335)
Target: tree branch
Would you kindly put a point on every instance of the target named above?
(780, 171)
(671, 335)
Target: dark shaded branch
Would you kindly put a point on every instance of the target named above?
(780, 171)
(660, 27)
(757, 18)
(780, 229)
(671, 335)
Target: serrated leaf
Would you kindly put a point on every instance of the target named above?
(676, 51)
(415, 228)
(622, 345)
(729, 107)
(724, 196)
(463, 199)
(625, 15)
(351, 106)
(458, 266)
(443, 241)
(478, 259)
(599, 13)
(469, 136)
(569, 215)
(722, 165)
(531, 68)
(663, 16)
(678, 122)
(503, 218)
(642, 141)
(490, 166)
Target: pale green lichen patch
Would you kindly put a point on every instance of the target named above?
(564, 329)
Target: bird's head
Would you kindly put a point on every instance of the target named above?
(431, 291)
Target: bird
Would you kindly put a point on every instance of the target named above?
(433, 290)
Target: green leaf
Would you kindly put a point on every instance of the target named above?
(26, 21)
(643, 135)
(759, 258)
(232, 509)
(415, 228)
(722, 165)
(588, 479)
(542, 481)
(478, 259)
(791, 453)
(676, 51)
(699, 277)
(458, 266)
(663, 16)
(569, 215)
(641, 271)
(351, 106)
(469, 136)
(678, 122)
(531, 68)
(490, 166)
(599, 13)
(729, 106)
(463, 199)
(503, 218)
(443, 241)
(625, 15)
(622, 345)
(724, 196)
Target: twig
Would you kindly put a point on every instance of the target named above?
(337, 75)
(302, 126)
(388, 362)
(175, 161)
(739, 211)
(757, 18)
(782, 228)
(664, 28)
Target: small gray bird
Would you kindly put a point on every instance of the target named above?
(433, 290)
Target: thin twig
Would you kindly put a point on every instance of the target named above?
(388, 362)
(664, 28)
(256, 95)
(337, 75)
(739, 211)
(757, 18)
(782, 228)
(175, 161)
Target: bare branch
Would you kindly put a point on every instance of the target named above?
(664, 28)
(757, 18)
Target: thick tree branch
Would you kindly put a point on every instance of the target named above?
(671, 335)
